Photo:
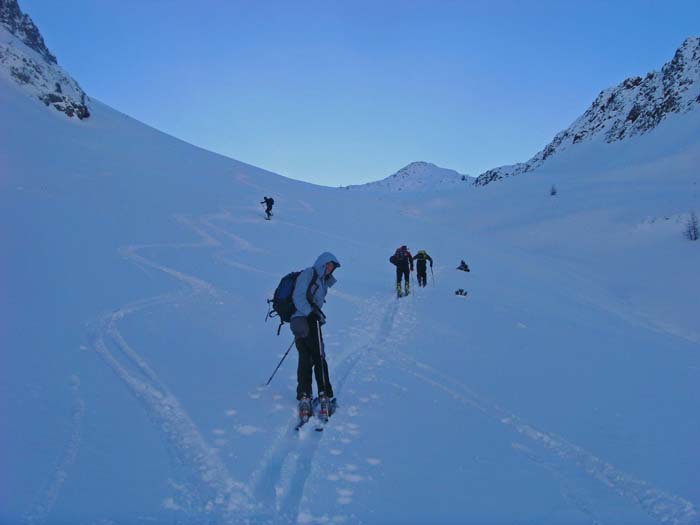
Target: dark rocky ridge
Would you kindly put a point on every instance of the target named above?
(634, 107)
(35, 68)
(23, 27)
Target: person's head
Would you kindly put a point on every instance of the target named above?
(325, 264)
(331, 266)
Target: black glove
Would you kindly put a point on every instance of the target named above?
(319, 316)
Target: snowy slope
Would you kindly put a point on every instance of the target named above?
(562, 389)
(634, 107)
(418, 176)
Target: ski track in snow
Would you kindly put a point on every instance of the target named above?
(573, 495)
(280, 481)
(660, 505)
(278, 491)
(42, 508)
(208, 488)
(231, 218)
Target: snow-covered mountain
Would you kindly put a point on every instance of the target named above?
(134, 279)
(418, 176)
(634, 107)
(25, 60)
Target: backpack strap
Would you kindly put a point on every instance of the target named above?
(308, 290)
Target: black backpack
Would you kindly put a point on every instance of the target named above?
(398, 257)
(282, 303)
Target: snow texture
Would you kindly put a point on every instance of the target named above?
(136, 268)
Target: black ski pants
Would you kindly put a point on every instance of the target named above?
(312, 357)
(422, 272)
(402, 270)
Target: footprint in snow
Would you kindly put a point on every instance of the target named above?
(353, 478)
(247, 430)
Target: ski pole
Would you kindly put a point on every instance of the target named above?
(432, 274)
(280, 364)
(324, 365)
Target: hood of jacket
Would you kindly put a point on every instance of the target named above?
(320, 267)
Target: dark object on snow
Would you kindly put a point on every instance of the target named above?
(312, 356)
(692, 230)
(463, 266)
(422, 259)
(460, 292)
(268, 202)
(403, 260)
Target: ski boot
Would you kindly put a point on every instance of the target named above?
(408, 288)
(324, 407)
(304, 410)
(398, 290)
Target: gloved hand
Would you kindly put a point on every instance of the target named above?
(300, 327)
(318, 314)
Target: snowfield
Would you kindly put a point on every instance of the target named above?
(562, 389)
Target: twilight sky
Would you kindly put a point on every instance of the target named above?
(343, 92)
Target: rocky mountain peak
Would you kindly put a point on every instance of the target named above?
(634, 107)
(26, 61)
(418, 176)
(21, 26)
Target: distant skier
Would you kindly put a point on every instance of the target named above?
(268, 202)
(463, 266)
(403, 260)
(309, 296)
(422, 258)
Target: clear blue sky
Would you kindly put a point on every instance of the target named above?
(342, 92)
